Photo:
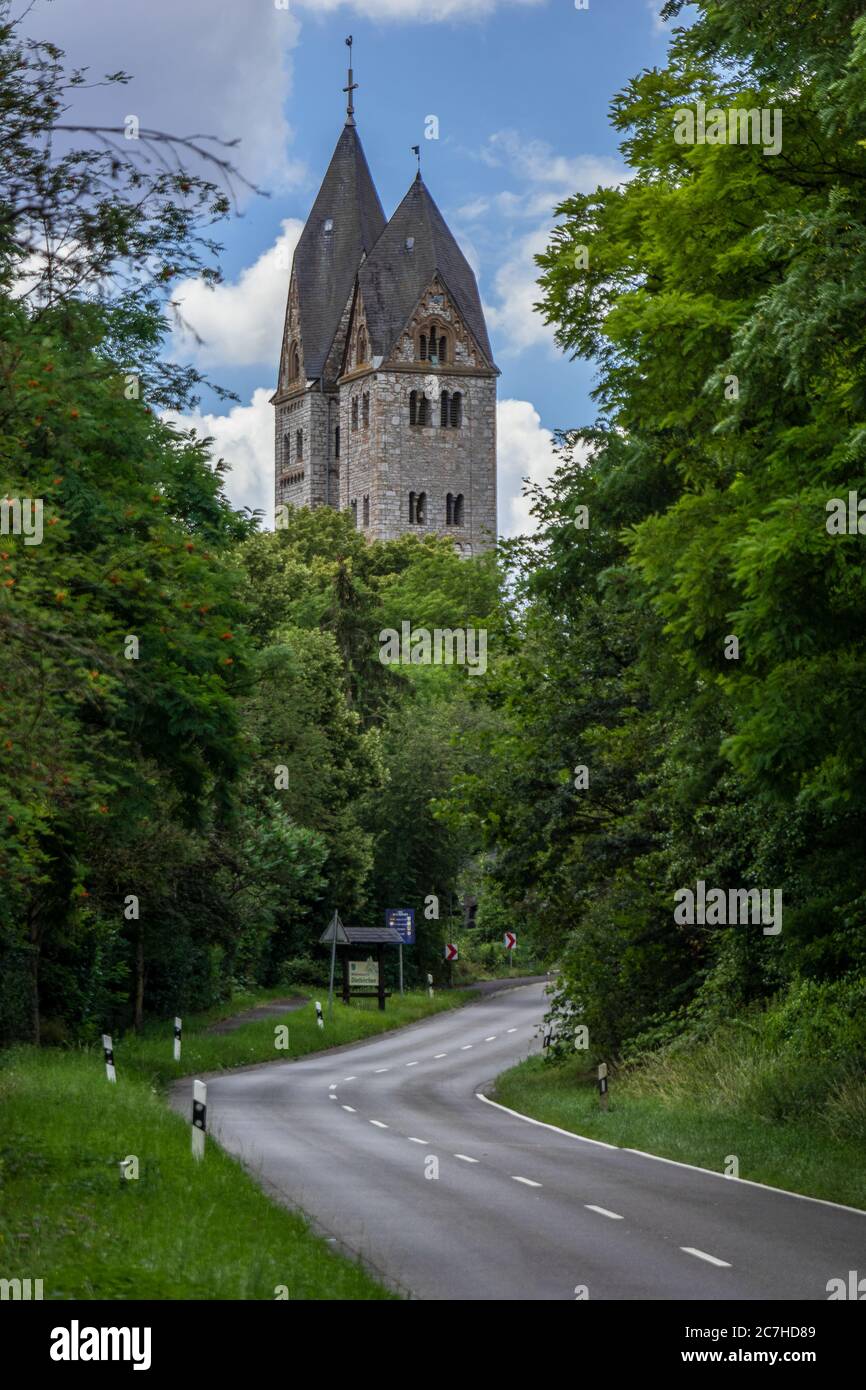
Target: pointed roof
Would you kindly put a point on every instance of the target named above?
(326, 262)
(393, 277)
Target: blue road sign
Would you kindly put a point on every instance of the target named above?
(402, 919)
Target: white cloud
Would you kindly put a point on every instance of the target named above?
(537, 162)
(196, 67)
(240, 323)
(516, 324)
(525, 450)
(245, 439)
(428, 11)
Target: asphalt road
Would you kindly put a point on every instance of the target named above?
(518, 1210)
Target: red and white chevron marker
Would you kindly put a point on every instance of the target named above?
(510, 940)
(451, 951)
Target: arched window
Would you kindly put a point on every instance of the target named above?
(366, 409)
(336, 441)
(411, 509)
(361, 352)
(423, 411)
(287, 449)
(355, 413)
(422, 353)
(449, 510)
(458, 509)
(354, 509)
(433, 345)
(443, 409)
(421, 509)
(294, 363)
(443, 350)
(413, 409)
(367, 511)
(299, 445)
(457, 409)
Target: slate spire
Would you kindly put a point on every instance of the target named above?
(416, 245)
(345, 222)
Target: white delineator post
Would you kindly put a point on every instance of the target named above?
(199, 1118)
(109, 1057)
(319, 1019)
(429, 986)
(178, 1028)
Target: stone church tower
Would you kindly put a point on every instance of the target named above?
(386, 401)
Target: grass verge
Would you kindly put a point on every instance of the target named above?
(180, 1230)
(793, 1154)
(150, 1054)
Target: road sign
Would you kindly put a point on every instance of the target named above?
(364, 974)
(510, 940)
(451, 951)
(602, 1084)
(402, 919)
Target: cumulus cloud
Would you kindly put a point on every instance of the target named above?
(525, 450)
(512, 318)
(536, 162)
(199, 66)
(239, 323)
(245, 439)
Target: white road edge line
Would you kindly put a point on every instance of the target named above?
(528, 1181)
(603, 1211)
(467, 1159)
(702, 1255)
(379, 1124)
(693, 1167)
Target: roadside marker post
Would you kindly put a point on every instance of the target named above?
(109, 1057)
(429, 985)
(319, 1019)
(602, 1085)
(199, 1118)
(547, 1036)
(510, 940)
(178, 1029)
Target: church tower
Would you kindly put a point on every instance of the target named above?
(386, 403)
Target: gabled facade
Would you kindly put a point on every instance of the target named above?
(386, 403)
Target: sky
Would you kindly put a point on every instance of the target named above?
(521, 91)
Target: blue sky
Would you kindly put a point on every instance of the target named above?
(521, 90)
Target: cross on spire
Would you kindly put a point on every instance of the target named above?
(352, 87)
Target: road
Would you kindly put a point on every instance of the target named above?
(518, 1210)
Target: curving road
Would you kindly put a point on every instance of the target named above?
(518, 1210)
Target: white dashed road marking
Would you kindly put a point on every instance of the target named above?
(438, 1055)
(378, 1124)
(413, 1140)
(465, 1047)
(411, 1064)
(603, 1211)
(528, 1181)
(379, 1070)
(492, 1038)
(348, 1078)
(350, 1109)
(702, 1255)
(467, 1159)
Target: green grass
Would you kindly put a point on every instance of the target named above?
(686, 1107)
(182, 1230)
(150, 1054)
